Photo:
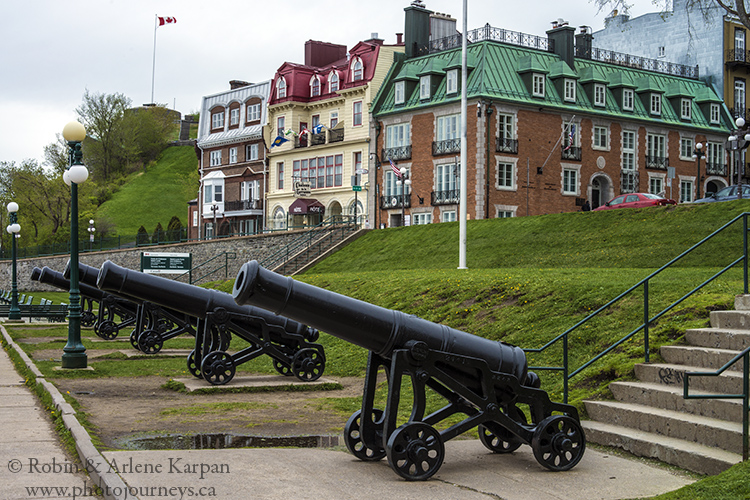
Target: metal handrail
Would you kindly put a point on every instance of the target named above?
(563, 337)
(225, 265)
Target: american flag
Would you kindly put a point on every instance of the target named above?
(571, 136)
(395, 169)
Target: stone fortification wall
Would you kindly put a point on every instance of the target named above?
(246, 248)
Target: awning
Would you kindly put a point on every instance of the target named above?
(304, 206)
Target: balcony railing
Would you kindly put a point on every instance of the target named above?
(445, 197)
(487, 32)
(503, 145)
(237, 205)
(395, 201)
(628, 181)
(739, 113)
(571, 153)
(336, 135)
(445, 147)
(399, 153)
(317, 139)
(735, 56)
(716, 169)
(638, 62)
(657, 162)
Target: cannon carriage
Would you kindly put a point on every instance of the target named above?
(291, 345)
(484, 381)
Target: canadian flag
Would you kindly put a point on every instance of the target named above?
(167, 20)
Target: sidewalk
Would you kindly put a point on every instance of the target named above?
(30, 445)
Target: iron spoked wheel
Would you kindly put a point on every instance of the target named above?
(415, 451)
(308, 365)
(88, 319)
(353, 437)
(107, 330)
(134, 340)
(282, 368)
(192, 366)
(218, 367)
(558, 443)
(150, 342)
(497, 438)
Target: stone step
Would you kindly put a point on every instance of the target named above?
(728, 382)
(668, 397)
(690, 456)
(694, 428)
(733, 320)
(708, 358)
(725, 338)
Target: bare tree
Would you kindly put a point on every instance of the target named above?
(703, 8)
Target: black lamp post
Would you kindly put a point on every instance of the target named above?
(405, 182)
(214, 209)
(698, 154)
(376, 204)
(13, 228)
(74, 353)
(91, 231)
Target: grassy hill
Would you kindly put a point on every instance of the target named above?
(154, 196)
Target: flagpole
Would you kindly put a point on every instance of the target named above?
(153, 66)
(462, 198)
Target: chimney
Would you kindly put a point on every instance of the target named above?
(584, 43)
(416, 29)
(319, 54)
(399, 38)
(561, 37)
(237, 84)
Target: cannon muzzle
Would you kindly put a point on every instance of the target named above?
(375, 328)
(56, 279)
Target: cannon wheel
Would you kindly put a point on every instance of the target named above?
(497, 438)
(192, 366)
(558, 443)
(88, 319)
(415, 451)
(218, 367)
(107, 330)
(353, 437)
(150, 342)
(308, 365)
(282, 368)
(134, 340)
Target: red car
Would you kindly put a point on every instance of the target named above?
(636, 200)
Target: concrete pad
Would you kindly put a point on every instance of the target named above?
(260, 382)
(469, 472)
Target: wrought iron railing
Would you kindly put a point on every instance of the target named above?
(336, 135)
(398, 153)
(738, 56)
(503, 145)
(716, 169)
(395, 201)
(657, 162)
(449, 197)
(570, 153)
(238, 205)
(628, 181)
(638, 62)
(445, 147)
(739, 113)
(317, 139)
(487, 32)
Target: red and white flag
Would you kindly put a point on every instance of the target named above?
(167, 20)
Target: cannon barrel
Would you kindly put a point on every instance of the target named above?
(188, 299)
(375, 328)
(56, 279)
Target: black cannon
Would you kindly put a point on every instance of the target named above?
(289, 343)
(88, 317)
(154, 324)
(485, 380)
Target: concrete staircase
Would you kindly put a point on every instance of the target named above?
(650, 417)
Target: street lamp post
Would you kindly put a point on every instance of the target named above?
(91, 231)
(405, 182)
(376, 204)
(698, 154)
(74, 353)
(13, 229)
(214, 232)
(739, 140)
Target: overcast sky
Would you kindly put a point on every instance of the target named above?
(53, 50)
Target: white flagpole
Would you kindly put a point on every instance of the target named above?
(462, 197)
(153, 67)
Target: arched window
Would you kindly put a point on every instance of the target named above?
(279, 218)
(360, 213)
(357, 69)
(314, 86)
(281, 88)
(333, 82)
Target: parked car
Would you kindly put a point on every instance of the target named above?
(636, 200)
(727, 194)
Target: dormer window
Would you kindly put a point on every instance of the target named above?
(600, 95)
(538, 85)
(398, 93)
(570, 90)
(314, 86)
(357, 69)
(628, 96)
(451, 82)
(333, 82)
(714, 119)
(217, 120)
(281, 88)
(424, 87)
(685, 109)
(656, 104)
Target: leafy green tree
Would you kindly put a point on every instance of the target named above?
(152, 128)
(158, 235)
(174, 229)
(142, 236)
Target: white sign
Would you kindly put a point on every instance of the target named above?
(301, 189)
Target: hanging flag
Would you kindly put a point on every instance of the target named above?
(279, 141)
(290, 132)
(167, 20)
(571, 137)
(303, 132)
(395, 169)
(318, 128)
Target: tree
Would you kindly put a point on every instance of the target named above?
(152, 128)
(158, 235)
(142, 236)
(174, 229)
(704, 8)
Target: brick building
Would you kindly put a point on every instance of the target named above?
(549, 127)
